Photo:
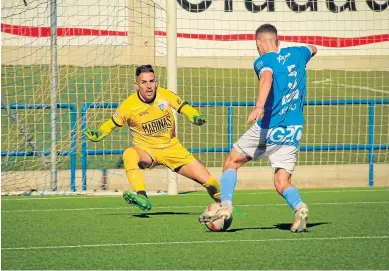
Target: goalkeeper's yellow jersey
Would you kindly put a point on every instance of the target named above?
(151, 124)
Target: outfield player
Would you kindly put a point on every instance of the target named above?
(148, 113)
(278, 117)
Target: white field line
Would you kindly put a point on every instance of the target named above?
(191, 206)
(91, 196)
(322, 81)
(207, 242)
(364, 88)
(330, 82)
(301, 192)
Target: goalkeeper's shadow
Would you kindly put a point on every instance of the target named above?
(149, 215)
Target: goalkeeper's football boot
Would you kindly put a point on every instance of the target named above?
(300, 219)
(139, 201)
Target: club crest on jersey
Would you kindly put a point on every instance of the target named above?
(162, 105)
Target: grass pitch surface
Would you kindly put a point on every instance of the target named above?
(348, 229)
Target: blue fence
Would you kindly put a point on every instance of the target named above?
(230, 105)
(71, 152)
(371, 147)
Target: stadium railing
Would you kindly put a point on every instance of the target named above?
(230, 105)
(72, 152)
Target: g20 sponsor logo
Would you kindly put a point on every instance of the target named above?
(290, 135)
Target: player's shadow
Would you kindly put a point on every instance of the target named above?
(148, 215)
(280, 226)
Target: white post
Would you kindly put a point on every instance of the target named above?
(171, 36)
(54, 87)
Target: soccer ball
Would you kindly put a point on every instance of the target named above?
(218, 224)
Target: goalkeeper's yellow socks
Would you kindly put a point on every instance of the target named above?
(142, 192)
(133, 172)
(213, 188)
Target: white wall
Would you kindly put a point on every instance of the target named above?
(114, 16)
(137, 22)
(214, 20)
(86, 14)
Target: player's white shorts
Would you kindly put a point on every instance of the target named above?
(280, 144)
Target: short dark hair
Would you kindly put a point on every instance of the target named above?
(144, 68)
(266, 28)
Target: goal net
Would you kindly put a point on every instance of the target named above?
(101, 42)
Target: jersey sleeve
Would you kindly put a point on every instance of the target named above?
(262, 64)
(174, 100)
(306, 53)
(121, 115)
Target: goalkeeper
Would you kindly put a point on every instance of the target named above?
(148, 113)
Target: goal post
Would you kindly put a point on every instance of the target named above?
(171, 37)
(54, 91)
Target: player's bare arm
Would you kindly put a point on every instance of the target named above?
(264, 86)
(313, 49)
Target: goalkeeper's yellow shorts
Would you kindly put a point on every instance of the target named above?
(174, 157)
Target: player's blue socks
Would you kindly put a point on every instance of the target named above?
(292, 197)
(227, 185)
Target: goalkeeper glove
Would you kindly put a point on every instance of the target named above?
(94, 135)
(199, 120)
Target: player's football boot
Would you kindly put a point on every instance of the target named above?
(139, 201)
(300, 219)
(210, 216)
(225, 213)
